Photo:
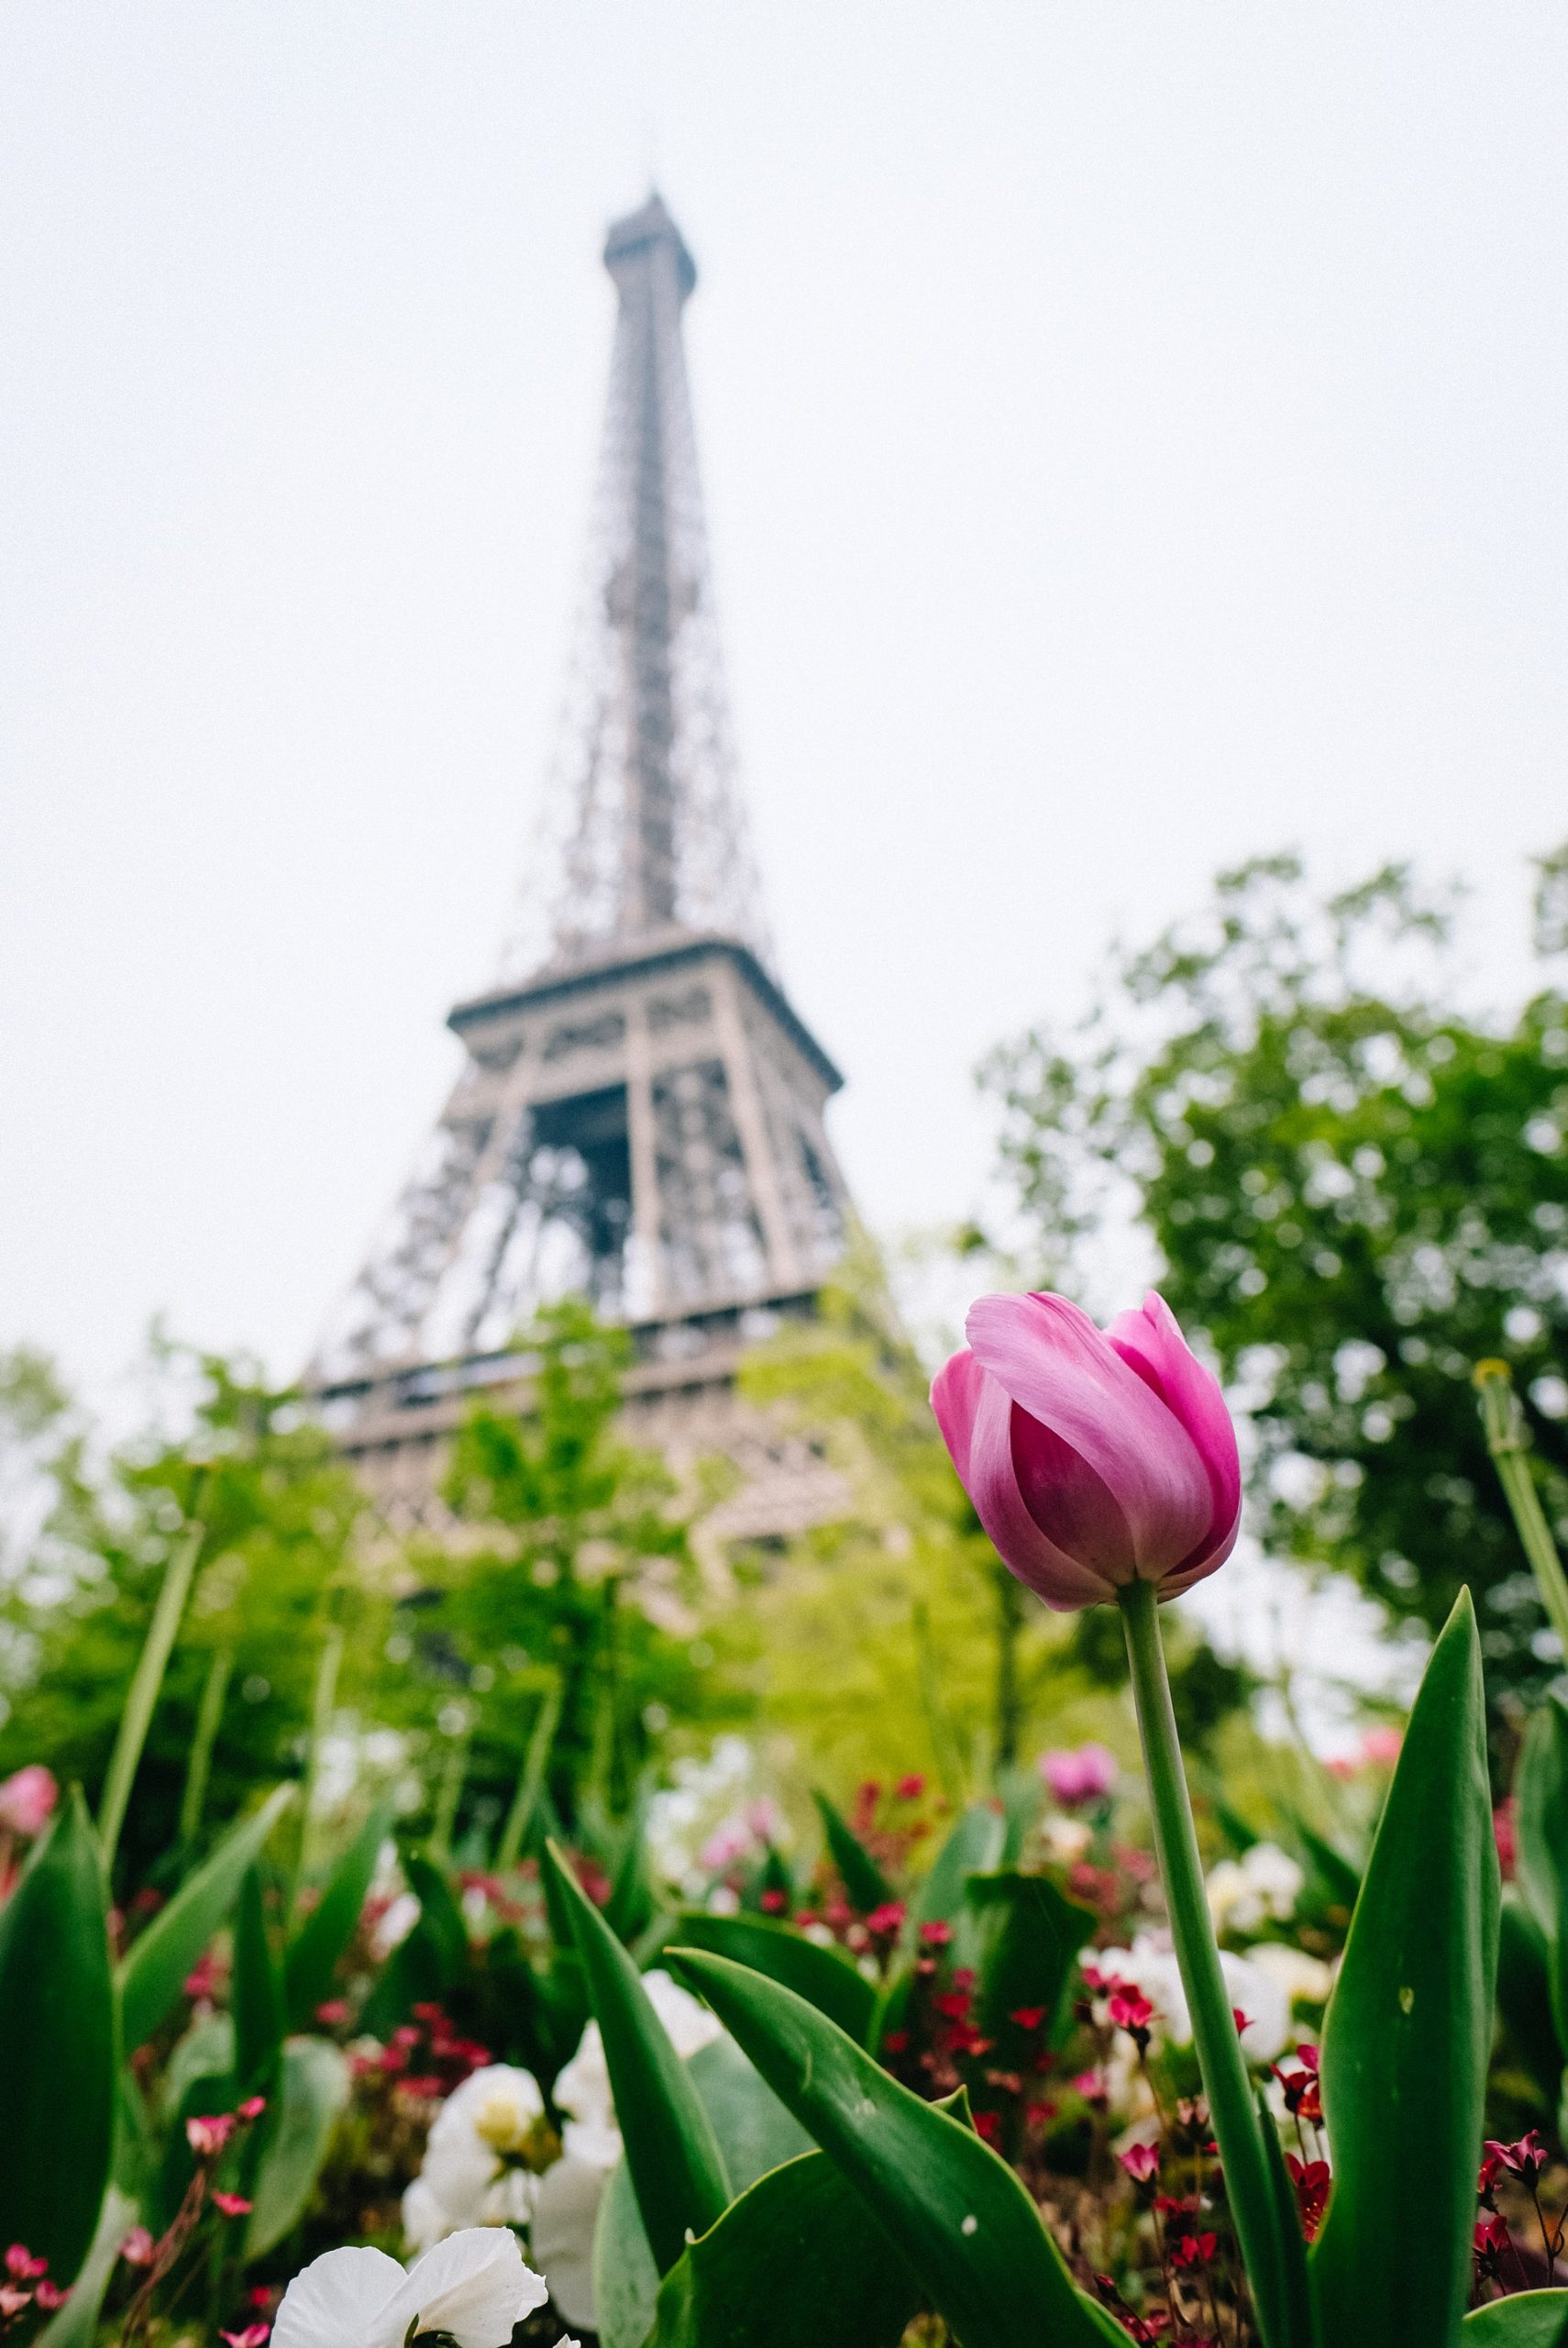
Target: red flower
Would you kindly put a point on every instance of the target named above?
(332, 2012)
(886, 1922)
(1028, 2017)
(910, 1788)
(233, 2205)
(207, 2137)
(1311, 2181)
(936, 1934)
(987, 2125)
(1302, 2090)
(1492, 2239)
(1195, 2250)
(1524, 2160)
(772, 1901)
(894, 2041)
(1244, 2021)
(1486, 2183)
(1131, 2011)
(20, 2262)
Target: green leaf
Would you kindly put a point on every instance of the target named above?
(974, 1846)
(820, 1976)
(440, 1927)
(310, 1962)
(630, 1908)
(1524, 1995)
(75, 2325)
(58, 2048)
(153, 1974)
(1527, 2320)
(1340, 1877)
(313, 2089)
(796, 2259)
(1409, 2029)
(1540, 1783)
(864, 1881)
(1294, 2315)
(258, 2016)
(956, 2213)
(1028, 1938)
(671, 2153)
(755, 2133)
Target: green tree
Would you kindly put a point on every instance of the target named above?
(277, 1511)
(571, 1580)
(1354, 1192)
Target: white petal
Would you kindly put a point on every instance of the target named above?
(562, 2236)
(424, 2218)
(341, 2300)
(473, 2285)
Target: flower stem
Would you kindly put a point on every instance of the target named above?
(1220, 2057)
(1508, 1442)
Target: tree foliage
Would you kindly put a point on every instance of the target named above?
(1355, 1192)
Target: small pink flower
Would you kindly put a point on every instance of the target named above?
(910, 1788)
(1381, 1746)
(138, 2247)
(252, 2107)
(332, 2012)
(13, 2301)
(253, 2336)
(1140, 2162)
(233, 2205)
(1093, 1457)
(207, 2137)
(28, 1799)
(21, 2266)
(1524, 2160)
(1082, 1773)
(1312, 2181)
(886, 1922)
(50, 2295)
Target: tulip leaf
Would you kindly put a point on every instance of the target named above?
(440, 1928)
(155, 1970)
(1029, 1936)
(75, 2325)
(312, 2090)
(1540, 1783)
(820, 1976)
(310, 1964)
(864, 1881)
(59, 2029)
(795, 2259)
(1293, 2320)
(672, 2154)
(1408, 2031)
(965, 2224)
(1524, 1996)
(258, 2014)
(1525, 2319)
(756, 2135)
(974, 1846)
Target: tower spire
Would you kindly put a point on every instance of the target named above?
(642, 828)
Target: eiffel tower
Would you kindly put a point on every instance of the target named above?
(639, 1115)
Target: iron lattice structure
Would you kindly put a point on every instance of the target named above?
(639, 1116)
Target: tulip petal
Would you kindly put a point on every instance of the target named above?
(1152, 1342)
(1056, 1365)
(474, 2286)
(341, 2300)
(977, 1419)
(1068, 1501)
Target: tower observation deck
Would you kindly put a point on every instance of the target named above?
(639, 1114)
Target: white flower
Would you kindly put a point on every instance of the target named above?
(1306, 1980)
(583, 2089)
(1256, 1992)
(473, 2286)
(1066, 1838)
(1265, 1884)
(472, 2175)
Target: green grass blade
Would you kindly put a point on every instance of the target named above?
(153, 1974)
(864, 1881)
(141, 1700)
(310, 1962)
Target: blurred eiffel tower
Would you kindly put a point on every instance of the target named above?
(639, 1117)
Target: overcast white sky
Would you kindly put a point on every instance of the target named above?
(1132, 439)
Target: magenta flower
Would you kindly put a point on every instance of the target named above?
(1093, 1457)
(26, 1799)
(1079, 1773)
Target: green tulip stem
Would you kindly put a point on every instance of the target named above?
(1229, 2091)
(1506, 1440)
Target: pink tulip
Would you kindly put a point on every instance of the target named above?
(1078, 1774)
(26, 1800)
(1093, 1458)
